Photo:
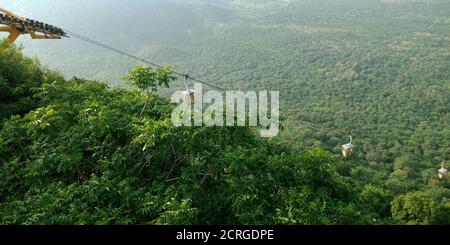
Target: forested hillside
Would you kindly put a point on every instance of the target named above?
(378, 69)
(85, 155)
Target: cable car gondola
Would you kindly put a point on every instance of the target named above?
(188, 94)
(347, 149)
(443, 171)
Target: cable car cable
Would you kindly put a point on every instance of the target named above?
(186, 76)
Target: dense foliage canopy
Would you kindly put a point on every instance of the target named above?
(377, 68)
(84, 156)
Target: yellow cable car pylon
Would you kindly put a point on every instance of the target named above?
(16, 25)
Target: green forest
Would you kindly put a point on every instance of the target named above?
(79, 152)
(80, 143)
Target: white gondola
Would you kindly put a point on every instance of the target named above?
(189, 94)
(347, 149)
(443, 171)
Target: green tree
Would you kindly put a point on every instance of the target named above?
(149, 80)
(420, 208)
(378, 199)
(19, 76)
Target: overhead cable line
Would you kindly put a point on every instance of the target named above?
(102, 45)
